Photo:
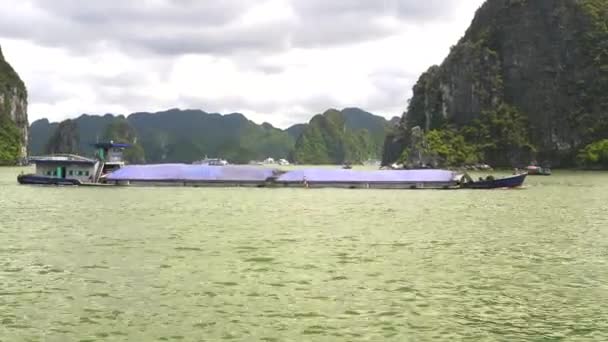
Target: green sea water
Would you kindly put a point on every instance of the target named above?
(185, 264)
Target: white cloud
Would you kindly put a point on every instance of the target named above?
(275, 60)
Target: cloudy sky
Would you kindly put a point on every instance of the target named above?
(273, 60)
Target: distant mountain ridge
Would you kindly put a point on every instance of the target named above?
(179, 135)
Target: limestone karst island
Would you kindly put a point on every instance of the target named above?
(304, 170)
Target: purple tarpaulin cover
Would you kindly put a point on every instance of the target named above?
(388, 176)
(185, 172)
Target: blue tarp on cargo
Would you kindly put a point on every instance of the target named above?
(388, 176)
(185, 172)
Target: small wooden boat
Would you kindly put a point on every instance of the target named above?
(490, 182)
(538, 171)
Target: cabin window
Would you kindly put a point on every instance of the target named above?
(48, 173)
(86, 173)
(71, 173)
(80, 173)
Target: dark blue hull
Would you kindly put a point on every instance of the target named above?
(508, 183)
(42, 180)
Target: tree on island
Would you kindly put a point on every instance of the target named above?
(595, 155)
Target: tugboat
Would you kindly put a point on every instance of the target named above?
(70, 169)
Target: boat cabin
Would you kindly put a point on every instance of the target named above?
(86, 170)
(66, 166)
(110, 155)
(70, 169)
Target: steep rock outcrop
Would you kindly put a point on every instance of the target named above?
(339, 137)
(13, 115)
(546, 58)
(296, 130)
(65, 139)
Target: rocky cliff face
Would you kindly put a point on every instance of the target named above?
(65, 139)
(341, 137)
(13, 115)
(546, 58)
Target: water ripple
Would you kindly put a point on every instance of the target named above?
(294, 265)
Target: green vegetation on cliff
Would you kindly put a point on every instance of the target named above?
(65, 139)
(176, 136)
(502, 133)
(13, 115)
(595, 156)
(327, 139)
(538, 68)
(8, 79)
(10, 142)
(189, 135)
(365, 122)
(451, 148)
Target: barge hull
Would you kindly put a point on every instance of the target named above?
(41, 180)
(368, 185)
(189, 183)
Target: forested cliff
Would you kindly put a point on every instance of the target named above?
(527, 82)
(13, 115)
(340, 137)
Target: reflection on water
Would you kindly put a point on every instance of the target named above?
(170, 264)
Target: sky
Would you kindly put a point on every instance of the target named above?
(276, 61)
